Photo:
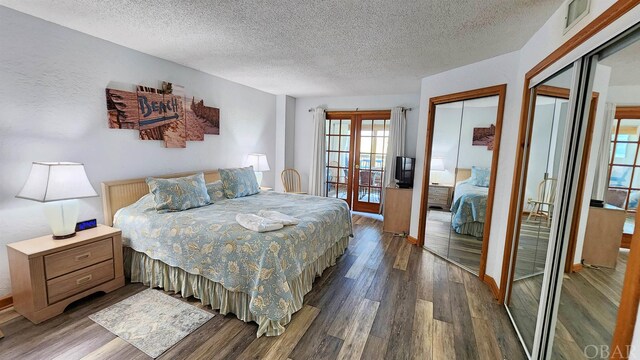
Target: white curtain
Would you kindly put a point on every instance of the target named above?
(317, 175)
(602, 171)
(395, 147)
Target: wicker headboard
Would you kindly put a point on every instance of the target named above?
(462, 174)
(120, 193)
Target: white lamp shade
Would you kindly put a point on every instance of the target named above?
(258, 161)
(437, 164)
(54, 181)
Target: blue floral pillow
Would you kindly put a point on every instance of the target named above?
(480, 176)
(179, 193)
(239, 182)
(216, 191)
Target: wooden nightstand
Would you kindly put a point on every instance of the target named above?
(440, 196)
(47, 274)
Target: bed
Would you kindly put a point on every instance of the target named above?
(203, 252)
(469, 206)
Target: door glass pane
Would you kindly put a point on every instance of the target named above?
(620, 176)
(342, 192)
(634, 196)
(344, 143)
(334, 127)
(365, 161)
(334, 143)
(344, 159)
(366, 128)
(625, 153)
(628, 130)
(539, 187)
(365, 144)
(346, 127)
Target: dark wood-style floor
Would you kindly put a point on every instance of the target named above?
(385, 299)
(588, 308)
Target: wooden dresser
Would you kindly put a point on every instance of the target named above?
(47, 274)
(603, 236)
(397, 210)
(440, 196)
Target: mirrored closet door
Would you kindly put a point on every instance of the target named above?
(460, 189)
(541, 167)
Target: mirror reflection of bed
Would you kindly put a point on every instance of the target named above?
(461, 160)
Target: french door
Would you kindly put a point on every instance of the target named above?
(356, 143)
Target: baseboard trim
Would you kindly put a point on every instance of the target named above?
(412, 240)
(6, 302)
(493, 286)
(576, 267)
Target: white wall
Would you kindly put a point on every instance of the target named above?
(304, 122)
(624, 95)
(53, 109)
(285, 137)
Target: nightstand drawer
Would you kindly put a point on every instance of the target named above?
(439, 191)
(64, 262)
(78, 281)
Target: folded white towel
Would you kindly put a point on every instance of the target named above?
(257, 223)
(279, 217)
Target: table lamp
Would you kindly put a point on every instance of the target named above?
(437, 166)
(58, 185)
(259, 163)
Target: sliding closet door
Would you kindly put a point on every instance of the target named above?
(462, 155)
(538, 205)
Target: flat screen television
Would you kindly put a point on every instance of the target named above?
(405, 167)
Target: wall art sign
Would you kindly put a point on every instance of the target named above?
(161, 114)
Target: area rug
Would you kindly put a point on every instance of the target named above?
(151, 320)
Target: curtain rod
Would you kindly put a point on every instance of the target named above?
(358, 109)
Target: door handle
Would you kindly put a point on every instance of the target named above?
(357, 166)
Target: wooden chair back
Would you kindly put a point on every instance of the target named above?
(291, 180)
(547, 191)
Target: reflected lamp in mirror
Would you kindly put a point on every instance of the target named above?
(259, 163)
(437, 168)
(58, 185)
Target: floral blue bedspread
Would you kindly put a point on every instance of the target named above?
(207, 241)
(469, 208)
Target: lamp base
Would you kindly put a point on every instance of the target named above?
(62, 237)
(62, 217)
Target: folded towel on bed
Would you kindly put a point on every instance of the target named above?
(256, 223)
(284, 219)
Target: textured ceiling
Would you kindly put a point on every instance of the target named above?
(332, 47)
(625, 66)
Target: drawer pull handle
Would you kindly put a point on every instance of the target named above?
(83, 279)
(83, 256)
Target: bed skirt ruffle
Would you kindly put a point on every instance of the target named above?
(154, 273)
(473, 228)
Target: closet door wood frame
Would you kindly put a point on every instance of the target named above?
(631, 289)
(500, 91)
